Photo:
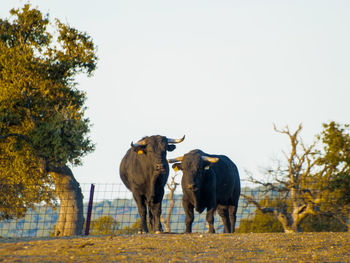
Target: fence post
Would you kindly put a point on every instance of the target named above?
(88, 216)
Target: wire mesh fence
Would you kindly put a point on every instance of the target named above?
(114, 212)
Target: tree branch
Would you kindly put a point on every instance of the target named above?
(264, 210)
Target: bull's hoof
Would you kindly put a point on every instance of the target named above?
(158, 232)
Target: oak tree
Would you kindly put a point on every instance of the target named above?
(334, 171)
(42, 125)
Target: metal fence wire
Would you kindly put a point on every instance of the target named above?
(114, 212)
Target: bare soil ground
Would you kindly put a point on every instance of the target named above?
(276, 247)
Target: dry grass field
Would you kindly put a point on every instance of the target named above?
(276, 247)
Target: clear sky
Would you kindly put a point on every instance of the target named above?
(220, 72)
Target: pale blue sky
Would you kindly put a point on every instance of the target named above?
(220, 72)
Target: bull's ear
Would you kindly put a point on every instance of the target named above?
(139, 149)
(209, 161)
(171, 147)
(177, 166)
(208, 165)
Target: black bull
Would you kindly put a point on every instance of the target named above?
(144, 170)
(209, 182)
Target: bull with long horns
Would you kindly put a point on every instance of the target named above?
(144, 170)
(209, 182)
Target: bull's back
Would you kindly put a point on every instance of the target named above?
(227, 179)
(133, 172)
(137, 175)
(123, 170)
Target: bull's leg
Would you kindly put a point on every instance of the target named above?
(232, 213)
(188, 208)
(210, 219)
(141, 207)
(223, 211)
(150, 217)
(156, 209)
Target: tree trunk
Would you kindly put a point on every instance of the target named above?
(166, 221)
(290, 229)
(71, 218)
(289, 224)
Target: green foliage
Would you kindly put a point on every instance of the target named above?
(105, 225)
(321, 223)
(268, 223)
(260, 223)
(133, 229)
(334, 162)
(20, 191)
(42, 123)
(336, 158)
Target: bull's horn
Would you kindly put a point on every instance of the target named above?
(176, 140)
(139, 143)
(210, 159)
(175, 160)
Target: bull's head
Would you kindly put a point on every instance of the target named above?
(194, 167)
(155, 148)
(206, 163)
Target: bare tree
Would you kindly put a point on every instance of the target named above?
(172, 187)
(293, 182)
